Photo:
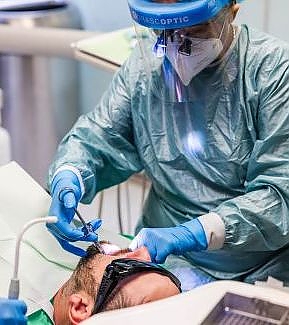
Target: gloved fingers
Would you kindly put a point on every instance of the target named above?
(12, 311)
(161, 257)
(135, 243)
(65, 231)
(93, 225)
(20, 304)
(21, 320)
(70, 248)
(143, 239)
(15, 320)
(16, 304)
(69, 196)
(69, 200)
(90, 237)
(152, 251)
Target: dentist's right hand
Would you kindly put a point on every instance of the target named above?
(66, 194)
(12, 312)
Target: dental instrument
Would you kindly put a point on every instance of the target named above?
(87, 228)
(13, 292)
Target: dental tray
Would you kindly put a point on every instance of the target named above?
(236, 309)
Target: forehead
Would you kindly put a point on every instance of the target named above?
(140, 287)
(148, 286)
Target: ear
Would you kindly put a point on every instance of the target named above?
(139, 254)
(80, 307)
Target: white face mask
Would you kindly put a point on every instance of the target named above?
(204, 52)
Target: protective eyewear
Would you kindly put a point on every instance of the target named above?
(183, 36)
(119, 270)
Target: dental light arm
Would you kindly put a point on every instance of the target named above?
(14, 282)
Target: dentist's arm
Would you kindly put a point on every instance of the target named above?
(66, 191)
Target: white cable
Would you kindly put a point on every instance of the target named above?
(13, 292)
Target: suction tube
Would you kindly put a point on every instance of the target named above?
(13, 292)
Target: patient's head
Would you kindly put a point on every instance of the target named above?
(75, 301)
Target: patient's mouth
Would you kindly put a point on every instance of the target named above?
(106, 248)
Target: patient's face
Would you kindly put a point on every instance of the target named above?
(74, 302)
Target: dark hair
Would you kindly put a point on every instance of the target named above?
(83, 279)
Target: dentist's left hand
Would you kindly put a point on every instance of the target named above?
(161, 242)
(66, 194)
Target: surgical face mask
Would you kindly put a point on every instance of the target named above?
(193, 55)
(203, 53)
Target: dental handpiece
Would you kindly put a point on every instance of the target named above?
(87, 227)
(13, 292)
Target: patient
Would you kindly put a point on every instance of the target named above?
(76, 300)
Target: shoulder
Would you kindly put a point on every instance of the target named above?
(132, 71)
(263, 47)
(134, 62)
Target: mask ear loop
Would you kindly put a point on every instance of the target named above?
(229, 25)
(222, 30)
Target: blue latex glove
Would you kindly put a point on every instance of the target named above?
(161, 242)
(66, 193)
(12, 312)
